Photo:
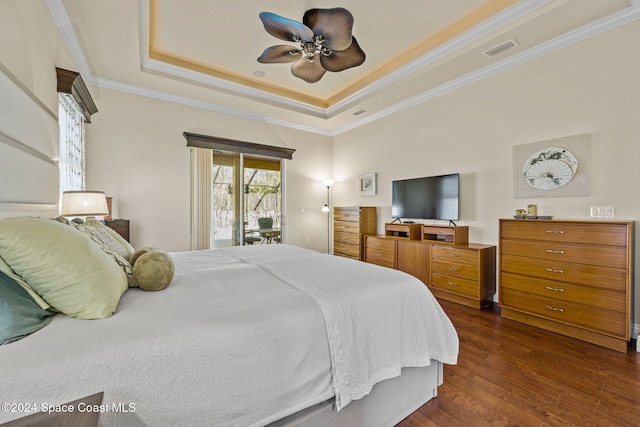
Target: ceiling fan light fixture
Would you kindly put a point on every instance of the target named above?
(325, 33)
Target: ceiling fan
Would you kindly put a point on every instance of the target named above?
(324, 34)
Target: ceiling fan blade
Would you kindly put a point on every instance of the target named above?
(279, 54)
(343, 59)
(285, 29)
(334, 24)
(309, 71)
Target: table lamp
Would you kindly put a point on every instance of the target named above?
(83, 204)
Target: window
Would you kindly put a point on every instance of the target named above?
(75, 107)
(237, 188)
(72, 154)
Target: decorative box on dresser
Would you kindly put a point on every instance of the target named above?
(452, 268)
(350, 225)
(568, 276)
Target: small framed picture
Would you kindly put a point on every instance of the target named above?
(367, 184)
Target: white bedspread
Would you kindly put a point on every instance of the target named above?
(234, 341)
(378, 320)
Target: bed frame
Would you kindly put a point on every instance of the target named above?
(29, 186)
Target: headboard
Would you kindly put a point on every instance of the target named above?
(29, 152)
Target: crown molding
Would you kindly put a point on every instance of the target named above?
(600, 26)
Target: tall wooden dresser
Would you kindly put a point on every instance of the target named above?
(570, 277)
(350, 225)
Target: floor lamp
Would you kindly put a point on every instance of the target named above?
(328, 183)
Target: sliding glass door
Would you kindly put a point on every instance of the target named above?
(246, 199)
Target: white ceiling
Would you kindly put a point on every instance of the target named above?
(203, 52)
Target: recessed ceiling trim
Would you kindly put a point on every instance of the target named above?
(602, 25)
(486, 18)
(592, 29)
(204, 105)
(490, 24)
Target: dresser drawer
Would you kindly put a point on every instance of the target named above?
(455, 269)
(346, 227)
(558, 231)
(455, 254)
(594, 318)
(346, 238)
(598, 297)
(608, 256)
(585, 274)
(378, 243)
(380, 257)
(455, 285)
(346, 214)
(350, 251)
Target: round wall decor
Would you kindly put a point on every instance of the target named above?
(550, 168)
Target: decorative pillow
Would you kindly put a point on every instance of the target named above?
(125, 249)
(4, 268)
(66, 268)
(153, 271)
(107, 243)
(19, 314)
(136, 254)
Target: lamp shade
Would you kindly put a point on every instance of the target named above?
(83, 203)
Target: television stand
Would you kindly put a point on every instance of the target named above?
(446, 235)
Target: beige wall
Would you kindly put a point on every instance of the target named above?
(592, 87)
(136, 153)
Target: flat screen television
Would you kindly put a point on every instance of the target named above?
(430, 197)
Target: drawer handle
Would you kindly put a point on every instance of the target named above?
(378, 255)
(453, 255)
(379, 244)
(555, 289)
(452, 284)
(453, 269)
(551, 270)
(551, 251)
(559, 310)
(554, 231)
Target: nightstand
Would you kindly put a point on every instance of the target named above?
(120, 226)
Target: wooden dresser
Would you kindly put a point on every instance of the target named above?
(350, 225)
(570, 277)
(464, 273)
(120, 226)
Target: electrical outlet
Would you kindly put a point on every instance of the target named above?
(602, 211)
(308, 242)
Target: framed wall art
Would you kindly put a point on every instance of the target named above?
(367, 184)
(553, 168)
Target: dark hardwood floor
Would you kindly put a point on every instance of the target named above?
(512, 374)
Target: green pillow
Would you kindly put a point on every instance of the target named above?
(68, 270)
(153, 271)
(4, 268)
(19, 314)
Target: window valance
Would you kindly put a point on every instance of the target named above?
(224, 144)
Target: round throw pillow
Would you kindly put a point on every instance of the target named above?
(153, 270)
(136, 254)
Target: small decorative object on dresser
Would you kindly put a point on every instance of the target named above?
(350, 225)
(121, 226)
(570, 277)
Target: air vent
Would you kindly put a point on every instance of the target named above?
(360, 111)
(502, 47)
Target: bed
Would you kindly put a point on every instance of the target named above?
(244, 336)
